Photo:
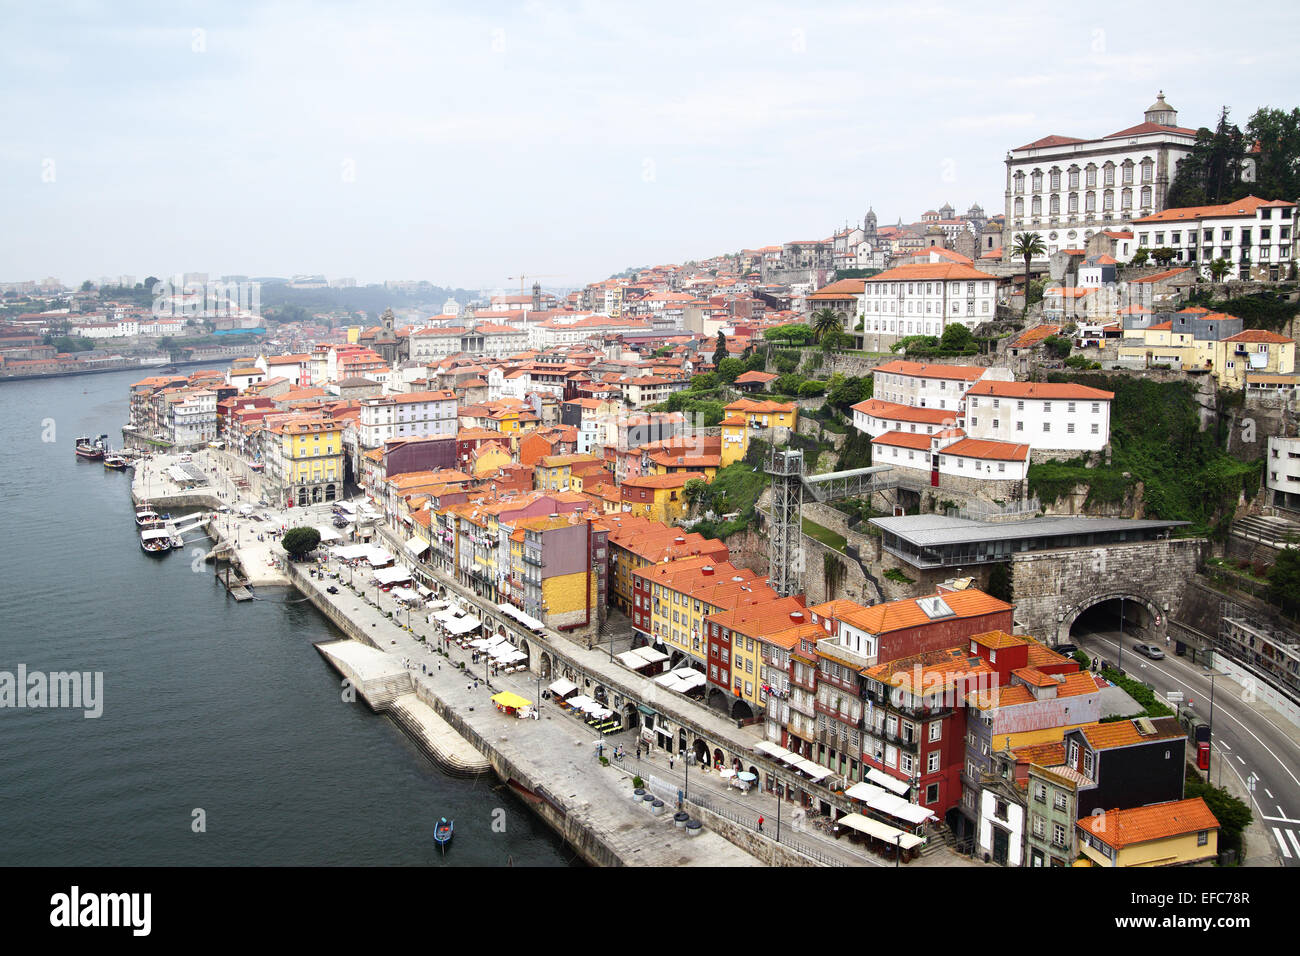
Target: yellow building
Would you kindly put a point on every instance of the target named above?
(1177, 833)
(1253, 350)
(488, 457)
(311, 455)
(555, 472)
(657, 497)
(746, 417)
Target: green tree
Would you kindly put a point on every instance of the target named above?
(87, 286)
(1164, 255)
(1027, 246)
(730, 368)
(720, 350)
(1140, 257)
(1000, 582)
(1233, 815)
(1058, 346)
(1219, 268)
(836, 340)
(1211, 173)
(1277, 164)
(956, 337)
(1284, 580)
(811, 389)
(300, 542)
(825, 321)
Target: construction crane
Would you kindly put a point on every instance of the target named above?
(523, 278)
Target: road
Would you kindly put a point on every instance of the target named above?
(1264, 756)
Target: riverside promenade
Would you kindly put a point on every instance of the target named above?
(361, 606)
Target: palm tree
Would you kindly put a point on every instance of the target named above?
(1219, 268)
(825, 320)
(1027, 246)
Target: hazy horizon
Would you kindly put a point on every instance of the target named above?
(568, 141)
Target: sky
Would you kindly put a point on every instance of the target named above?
(467, 143)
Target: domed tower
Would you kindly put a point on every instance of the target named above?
(945, 211)
(869, 225)
(1161, 113)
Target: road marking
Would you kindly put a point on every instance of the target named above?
(1290, 835)
(1282, 843)
(1230, 716)
(1224, 745)
(1270, 795)
(1243, 762)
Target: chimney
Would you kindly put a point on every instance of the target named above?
(796, 616)
(707, 570)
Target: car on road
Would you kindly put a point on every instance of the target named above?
(1066, 649)
(1149, 650)
(332, 589)
(340, 522)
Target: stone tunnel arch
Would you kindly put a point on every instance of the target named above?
(1143, 618)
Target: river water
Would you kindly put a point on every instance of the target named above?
(217, 717)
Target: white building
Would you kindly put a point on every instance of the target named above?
(1255, 235)
(1282, 476)
(876, 417)
(924, 298)
(951, 453)
(1066, 189)
(930, 385)
(192, 417)
(1047, 416)
(408, 415)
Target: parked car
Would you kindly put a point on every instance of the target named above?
(332, 589)
(1149, 650)
(1066, 649)
(340, 522)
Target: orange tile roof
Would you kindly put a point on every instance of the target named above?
(898, 615)
(1035, 335)
(1158, 277)
(928, 370)
(1258, 335)
(1124, 733)
(1239, 207)
(987, 450)
(942, 271)
(1040, 390)
(1160, 821)
(893, 411)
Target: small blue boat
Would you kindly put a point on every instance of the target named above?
(442, 833)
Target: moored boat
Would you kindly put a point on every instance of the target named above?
(115, 462)
(155, 538)
(144, 515)
(91, 449)
(442, 833)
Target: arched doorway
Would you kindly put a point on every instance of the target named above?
(717, 757)
(315, 495)
(329, 492)
(545, 664)
(631, 716)
(701, 752)
(717, 700)
(741, 711)
(302, 497)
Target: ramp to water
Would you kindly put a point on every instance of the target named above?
(376, 676)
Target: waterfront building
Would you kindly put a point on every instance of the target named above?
(558, 569)
(635, 543)
(311, 454)
(746, 418)
(735, 640)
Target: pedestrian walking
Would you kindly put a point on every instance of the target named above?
(670, 761)
(760, 824)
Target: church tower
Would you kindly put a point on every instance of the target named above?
(869, 226)
(537, 296)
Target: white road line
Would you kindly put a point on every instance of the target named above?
(1229, 715)
(1243, 762)
(1279, 819)
(1270, 795)
(1290, 835)
(1280, 811)
(1282, 843)
(1224, 745)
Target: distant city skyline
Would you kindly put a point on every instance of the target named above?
(390, 141)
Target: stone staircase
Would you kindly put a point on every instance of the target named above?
(941, 837)
(1268, 530)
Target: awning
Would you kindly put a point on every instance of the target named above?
(864, 792)
(417, 546)
(881, 831)
(578, 702)
(775, 751)
(816, 771)
(562, 688)
(328, 534)
(893, 806)
(392, 575)
(651, 655)
(462, 625)
(404, 594)
(876, 775)
(507, 699)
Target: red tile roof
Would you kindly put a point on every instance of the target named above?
(1160, 821)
